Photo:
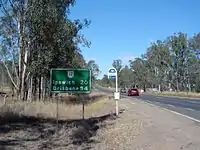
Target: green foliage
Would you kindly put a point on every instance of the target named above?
(43, 31)
(117, 64)
(53, 38)
(173, 63)
(169, 64)
(142, 74)
(94, 68)
(126, 76)
(105, 82)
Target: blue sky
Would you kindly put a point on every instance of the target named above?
(124, 29)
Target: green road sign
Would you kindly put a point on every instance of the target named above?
(70, 80)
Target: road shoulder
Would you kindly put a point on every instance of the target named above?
(145, 126)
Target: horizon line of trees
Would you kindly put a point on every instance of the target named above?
(170, 64)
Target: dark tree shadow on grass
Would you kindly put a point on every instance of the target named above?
(34, 130)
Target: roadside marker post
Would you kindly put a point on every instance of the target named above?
(112, 73)
(70, 80)
(57, 110)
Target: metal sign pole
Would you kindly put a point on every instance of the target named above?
(83, 106)
(73, 80)
(116, 101)
(112, 72)
(116, 83)
(57, 116)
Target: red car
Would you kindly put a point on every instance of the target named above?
(133, 92)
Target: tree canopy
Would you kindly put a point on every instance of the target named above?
(172, 63)
(36, 36)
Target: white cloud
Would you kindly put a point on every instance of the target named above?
(125, 57)
(88, 59)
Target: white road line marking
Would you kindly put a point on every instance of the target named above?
(174, 112)
(149, 103)
(158, 103)
(191, 118)
(170, 105)
(190, 109)
(194, 102)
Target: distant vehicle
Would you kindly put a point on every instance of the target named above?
(123, 90)
(133, 92)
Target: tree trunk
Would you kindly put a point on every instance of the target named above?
(2, 78)
(23, 75)
(39, 87)
(42, 89)
(189, 85)
(20, 50)
(45, 89)
(144, 87)
(10, 75)
(30, 89)
(159, 88)
(35, 87)
(26, 88)
(177, 85)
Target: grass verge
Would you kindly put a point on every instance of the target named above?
(180, 94)
(32, 125)
(69, 107)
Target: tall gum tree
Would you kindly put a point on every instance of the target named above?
(36, 36)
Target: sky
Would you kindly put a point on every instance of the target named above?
(124, 29)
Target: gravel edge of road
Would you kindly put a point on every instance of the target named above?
(141, 131)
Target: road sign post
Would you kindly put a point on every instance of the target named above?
(70, 80)
(57, 110)
(112, 73)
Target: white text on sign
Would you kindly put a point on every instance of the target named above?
(83, 82)
(65, 88)
(64, 82)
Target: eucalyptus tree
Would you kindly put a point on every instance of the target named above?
(37, 36)
(93, 66)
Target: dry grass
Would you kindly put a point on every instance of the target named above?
(5, 89)
(181, 94)
(32, 125)
(68, 108)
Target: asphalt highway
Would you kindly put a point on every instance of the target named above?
(186, 106)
